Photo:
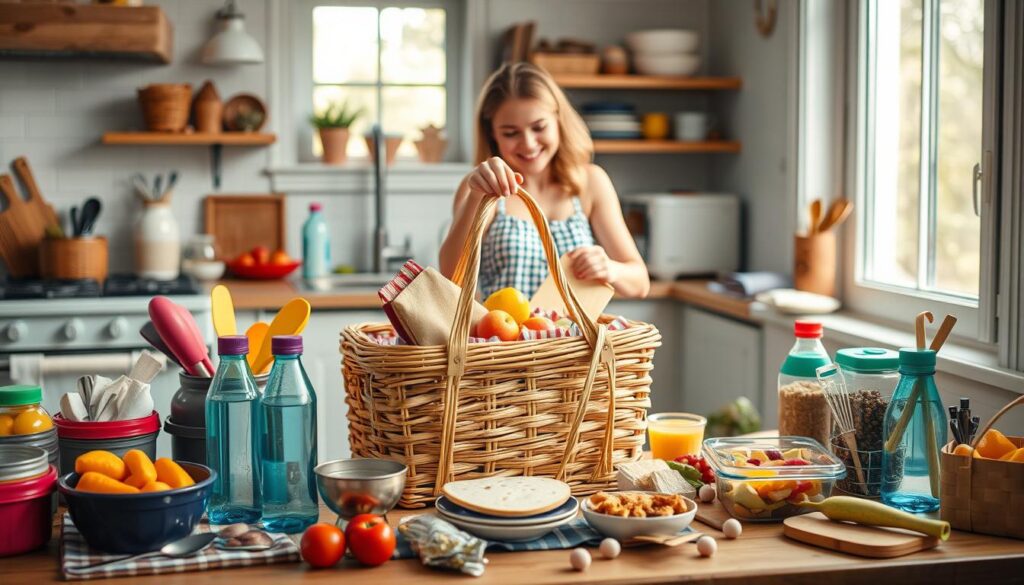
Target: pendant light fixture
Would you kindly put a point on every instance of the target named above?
(231, 45)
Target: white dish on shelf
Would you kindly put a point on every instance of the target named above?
(614, 126)
(681, 64)
(663, 41)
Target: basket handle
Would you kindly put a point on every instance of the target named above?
(1017, 402)
(466, 272)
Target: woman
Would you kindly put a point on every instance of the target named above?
(528, 134)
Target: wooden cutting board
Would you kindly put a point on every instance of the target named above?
(865, 541)
(43, 210)
(239, 223)
(21, 231)
(593, 296)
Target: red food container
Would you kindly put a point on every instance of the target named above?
(116, 436)
(26, 513)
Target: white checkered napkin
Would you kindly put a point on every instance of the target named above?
(75, 554)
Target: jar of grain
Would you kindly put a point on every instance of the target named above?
(871, 375)
(803, 408)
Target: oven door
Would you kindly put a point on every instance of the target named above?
(57, 372)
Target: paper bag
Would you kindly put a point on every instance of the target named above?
(593, 296)
(425, 309)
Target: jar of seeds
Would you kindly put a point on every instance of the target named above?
(803, 408)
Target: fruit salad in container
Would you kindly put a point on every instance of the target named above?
(766, 479)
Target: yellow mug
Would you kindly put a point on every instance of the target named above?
(655, 126)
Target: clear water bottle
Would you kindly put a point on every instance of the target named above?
(316, 244)
(288, 441)
(915, 431)
(232, 408)
(803, 408)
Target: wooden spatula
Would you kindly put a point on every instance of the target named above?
(290, 320)
(223, 311)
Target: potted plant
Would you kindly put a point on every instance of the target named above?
(333, 126)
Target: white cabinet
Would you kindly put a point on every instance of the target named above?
(720, 361)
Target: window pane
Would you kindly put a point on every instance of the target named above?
(896, 101)
(344, 44)
(412, 41)
(364, 97)
(407, 109)
(958, 230)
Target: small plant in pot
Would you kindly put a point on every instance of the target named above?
(333, 124)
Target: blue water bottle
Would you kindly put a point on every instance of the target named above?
(288, 441)
(232, 407)
(915, 431)
(316, 244)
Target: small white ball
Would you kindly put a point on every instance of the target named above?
(707, 546)
(707, 493)
(732, 528)
(579, 558)
(610, 548)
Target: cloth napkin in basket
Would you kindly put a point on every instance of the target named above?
(75, 553)
(569, 535)
(421, 305)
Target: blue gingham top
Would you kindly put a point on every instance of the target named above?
(512, 254)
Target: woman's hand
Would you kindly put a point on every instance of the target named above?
(593, 263)
(493, 176)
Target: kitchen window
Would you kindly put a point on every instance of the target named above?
(926, 99)
(396, 61)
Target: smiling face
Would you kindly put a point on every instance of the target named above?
(526, 132)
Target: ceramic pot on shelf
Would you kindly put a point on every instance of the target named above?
(157, 242)
(207, 110)
(335, 143)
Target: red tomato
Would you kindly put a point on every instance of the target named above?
(323, 545)
(370, 539)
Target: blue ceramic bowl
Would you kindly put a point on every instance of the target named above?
(138, 523)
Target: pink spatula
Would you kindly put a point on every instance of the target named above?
(178, 330)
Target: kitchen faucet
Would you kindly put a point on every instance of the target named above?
(383, 253)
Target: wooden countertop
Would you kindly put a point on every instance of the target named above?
(762, 555)
(272, 294)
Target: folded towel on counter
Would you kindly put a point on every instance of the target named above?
(748, 284)
(75, 554)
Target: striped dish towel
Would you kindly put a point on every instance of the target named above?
(75, 553)
(570, 535)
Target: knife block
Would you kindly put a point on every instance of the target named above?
(814, 268)
(74, 258)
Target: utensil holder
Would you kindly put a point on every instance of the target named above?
(165, 106)
(74, 258)
(814, 267)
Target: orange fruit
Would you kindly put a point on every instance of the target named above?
(246, 260)
(963, 449)
(511, 301)
(498, 324)
(280, 258)
(1017, 456)
(260, 254)
(994, 445)
(6, 425)
(31, 421)
(539, 323)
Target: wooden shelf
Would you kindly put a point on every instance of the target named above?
(647, 82)
(665, 146)
(83, 30)
(194, 139)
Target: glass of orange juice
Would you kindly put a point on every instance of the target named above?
(674, 434)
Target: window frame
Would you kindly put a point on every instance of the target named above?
(301, 61)
(976, 324)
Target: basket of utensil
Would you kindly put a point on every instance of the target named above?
(165, 106)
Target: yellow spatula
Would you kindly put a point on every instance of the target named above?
(256, 333)
(290, 320)
(223, 310)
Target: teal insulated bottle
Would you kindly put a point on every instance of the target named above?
(316, 244)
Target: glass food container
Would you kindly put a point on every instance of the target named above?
(21, 412)
(765, 479)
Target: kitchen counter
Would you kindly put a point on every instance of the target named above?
(272, 294)
(762, 555)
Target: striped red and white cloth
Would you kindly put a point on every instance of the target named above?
(401, 280)
(76, 554)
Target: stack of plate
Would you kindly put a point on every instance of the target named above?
(611, 121)
(507, 528)
(665, 51)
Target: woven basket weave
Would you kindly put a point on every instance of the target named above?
(984, 495)
(570, 408)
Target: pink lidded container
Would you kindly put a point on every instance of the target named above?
(28, 498)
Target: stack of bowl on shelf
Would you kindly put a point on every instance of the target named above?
(611, 121)
(665, 51)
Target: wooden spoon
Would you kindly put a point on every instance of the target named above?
(837, 213)
(812, 228)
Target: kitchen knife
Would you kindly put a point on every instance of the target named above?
(149, 333)
(223, 311)
(290, 320)
(174, 328)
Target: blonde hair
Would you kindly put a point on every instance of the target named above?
(522, 80)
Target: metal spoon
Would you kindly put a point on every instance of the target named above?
(185, 547)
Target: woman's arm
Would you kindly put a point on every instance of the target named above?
(616, 259)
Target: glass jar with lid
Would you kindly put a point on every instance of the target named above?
(21, 411)
(871, 375)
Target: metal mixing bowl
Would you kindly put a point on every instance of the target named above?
(360, 486)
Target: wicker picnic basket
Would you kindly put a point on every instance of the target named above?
(983, 495)
(570, 408)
